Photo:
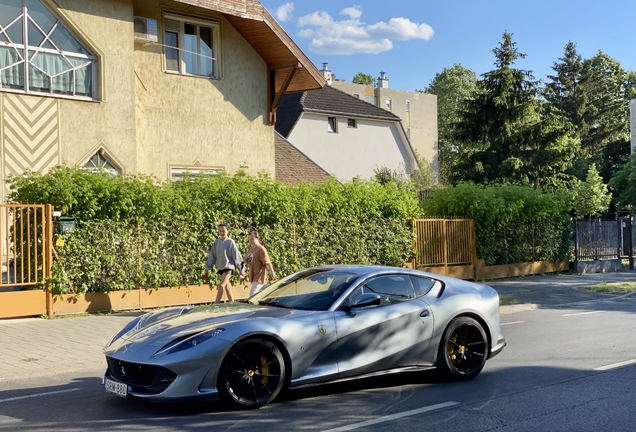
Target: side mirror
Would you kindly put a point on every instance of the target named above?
(370, 299)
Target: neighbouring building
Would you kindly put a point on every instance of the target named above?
(292, 166)
(143, 86)
(418, 111)
(344, 135)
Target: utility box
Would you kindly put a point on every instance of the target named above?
(66, 225)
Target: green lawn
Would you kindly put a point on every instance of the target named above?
(508, 301)
(613, 287)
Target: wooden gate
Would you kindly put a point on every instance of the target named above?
(26, 236)
(445, 246)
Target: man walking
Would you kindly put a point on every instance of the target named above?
(226, 257)
(257, 259)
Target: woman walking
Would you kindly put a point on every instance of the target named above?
(257, 259)
(226, 257)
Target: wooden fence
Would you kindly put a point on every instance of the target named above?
(445, 246)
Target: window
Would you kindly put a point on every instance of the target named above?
(332, 124)
(422, 285)
(100, 162)
(393, 289)
(35, 44)
(408, 133)
(352, 123)
(178, 174)
(191, 46)
(388, 103)
(408, 106)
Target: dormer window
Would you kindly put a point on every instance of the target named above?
(100, 162)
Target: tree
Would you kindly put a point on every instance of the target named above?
(623, 185)
(362, 78)
(505, 135)
(451, 86)
(591, 197)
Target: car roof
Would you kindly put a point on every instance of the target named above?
(365, 270)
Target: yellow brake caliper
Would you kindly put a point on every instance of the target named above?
(264, 370)
(451, 349)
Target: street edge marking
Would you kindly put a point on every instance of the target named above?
(392, 417)
(39, 395)
(582, 313)
(511, 323)
(615, 365)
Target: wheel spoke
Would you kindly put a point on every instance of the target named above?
(264, 386)
(272, 362)
(239, 359)
(237, 371)
(268, 375)
(254, 390)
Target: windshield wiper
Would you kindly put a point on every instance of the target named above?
(273, 303)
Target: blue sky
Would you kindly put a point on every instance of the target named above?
(413, 40)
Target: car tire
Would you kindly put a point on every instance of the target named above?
(463, 350)
(252, 374)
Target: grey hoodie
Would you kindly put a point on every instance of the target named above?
(225, 255)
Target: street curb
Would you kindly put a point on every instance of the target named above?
(510, 309)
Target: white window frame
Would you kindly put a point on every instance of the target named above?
(32, 51)
(332, 124)
(180, 173)
(389, 104)
(107, 159)
(216, 45)
(408, 106)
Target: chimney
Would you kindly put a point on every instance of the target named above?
(326, 72)
(383, 81)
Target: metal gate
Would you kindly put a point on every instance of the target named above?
(26, 236)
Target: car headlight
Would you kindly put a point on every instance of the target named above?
(188, 342)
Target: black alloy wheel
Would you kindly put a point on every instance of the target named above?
(252, 374)
(463, 350)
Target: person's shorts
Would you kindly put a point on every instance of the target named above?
(223, 271)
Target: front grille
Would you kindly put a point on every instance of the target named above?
(143, 378)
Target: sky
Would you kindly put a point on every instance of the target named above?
(412, 40)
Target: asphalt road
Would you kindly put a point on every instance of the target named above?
(564, 369)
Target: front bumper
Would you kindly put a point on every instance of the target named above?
(499, 346)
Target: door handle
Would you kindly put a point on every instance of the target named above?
(424, 314)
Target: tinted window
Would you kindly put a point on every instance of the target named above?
(393, 289)
(422, 285)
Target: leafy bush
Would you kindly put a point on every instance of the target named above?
(512, 223)
(136, 232)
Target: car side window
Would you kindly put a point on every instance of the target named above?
(422, 285)
(391, 288)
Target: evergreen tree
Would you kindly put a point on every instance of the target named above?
(504, 134)
(362, 78)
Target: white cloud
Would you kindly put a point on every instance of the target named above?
(284, 13)
(351, 35)
(352, 12)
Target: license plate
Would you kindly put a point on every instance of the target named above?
(116, 388)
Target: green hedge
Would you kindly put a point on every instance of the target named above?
(513, 223)
(136, 232)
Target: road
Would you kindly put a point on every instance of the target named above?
(568, 368)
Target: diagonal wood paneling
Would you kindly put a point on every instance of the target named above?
(30, 134)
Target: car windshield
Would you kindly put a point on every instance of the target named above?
(312, 289)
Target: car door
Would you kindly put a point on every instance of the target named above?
(394, 334)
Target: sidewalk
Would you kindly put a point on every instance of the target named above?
(35, 346)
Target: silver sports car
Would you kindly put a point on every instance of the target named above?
(320, 325)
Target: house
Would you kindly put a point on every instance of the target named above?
(345, 136)
(418, 111)
(143, 86)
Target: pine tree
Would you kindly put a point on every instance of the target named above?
(591, 197)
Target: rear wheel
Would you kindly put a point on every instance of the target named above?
(463, 350)
(252, 374)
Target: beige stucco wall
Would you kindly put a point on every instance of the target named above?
(106, 27)
(146, 120)
(181, 119)
(352, 151)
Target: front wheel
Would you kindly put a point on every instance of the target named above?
(463, 350)
(252, 374)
